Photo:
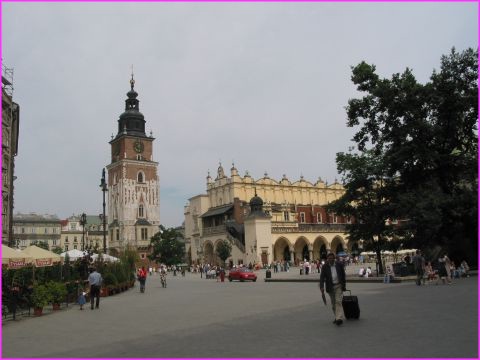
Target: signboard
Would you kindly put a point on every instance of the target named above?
(16, 263)
(43, 262)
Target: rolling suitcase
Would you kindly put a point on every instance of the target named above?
(350, 306)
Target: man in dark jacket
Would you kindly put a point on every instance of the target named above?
(332, 277)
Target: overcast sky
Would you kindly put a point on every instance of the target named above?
(262, 84)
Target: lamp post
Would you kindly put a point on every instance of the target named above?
(103, 186)
(83, 222)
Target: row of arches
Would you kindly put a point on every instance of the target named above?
(294, 251)
(302, 248)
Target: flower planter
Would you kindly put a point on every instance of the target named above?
(56, 306)
(103, 292)
(37, 311)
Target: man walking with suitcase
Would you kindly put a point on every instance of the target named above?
(332, 278)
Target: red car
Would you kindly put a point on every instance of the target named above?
(242, 274)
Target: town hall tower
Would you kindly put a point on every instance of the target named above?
(133, 184)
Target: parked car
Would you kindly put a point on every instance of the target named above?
(242, 274)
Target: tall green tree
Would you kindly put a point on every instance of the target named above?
(166, 248)
(425, 139)
(224, 250)
(365, 199)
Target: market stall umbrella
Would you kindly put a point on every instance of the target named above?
(42, 257)
(14, 259)
(73, 254)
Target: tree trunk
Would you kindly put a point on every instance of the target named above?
(379, 258)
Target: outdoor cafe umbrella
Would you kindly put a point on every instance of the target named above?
(105, 257)
(42, 257)
(14, 259)
(73, 254)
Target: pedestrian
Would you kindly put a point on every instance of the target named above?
(332, 279)
(142, 278)
(81, 299)
(222, 274)
(419, 263)
(465, 268)
(448, 264)
(95, 281)
(444, 269)
(388, 275)
(201, 272)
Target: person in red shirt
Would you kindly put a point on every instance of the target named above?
(142, 277)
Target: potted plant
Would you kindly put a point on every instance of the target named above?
(109, 283)
(58, 292)
(40, 297)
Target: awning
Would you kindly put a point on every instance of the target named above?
(217, 211)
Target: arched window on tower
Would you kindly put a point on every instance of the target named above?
(140, 177)
(140, 211)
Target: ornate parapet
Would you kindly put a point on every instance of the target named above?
(313, 228)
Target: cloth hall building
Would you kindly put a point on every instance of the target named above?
(265, 220)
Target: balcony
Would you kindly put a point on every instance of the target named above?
(222, 229)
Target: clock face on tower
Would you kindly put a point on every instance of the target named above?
(138, 146)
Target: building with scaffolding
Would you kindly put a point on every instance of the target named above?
(10, 129)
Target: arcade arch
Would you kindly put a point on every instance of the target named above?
(320, 245)
(337, 245)
(301, 250)
(281, 250)
(208, 252)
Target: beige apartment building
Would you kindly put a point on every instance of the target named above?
(265, 220)
(33, 228)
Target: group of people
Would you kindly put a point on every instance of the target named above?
(446, 269)
(278, 266)
(365, 272)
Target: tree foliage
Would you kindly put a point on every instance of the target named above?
(416, 156)
(224, 250)
(40, 244)
(166, 248)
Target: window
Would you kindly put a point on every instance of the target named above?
(144, 235)
(54, 242)
(319, 218)
(118, 234)
(142, 255)
(349, 219)
(140, 177)
(302, 217)
(46, 231)
(66, 247)
(23, 230)
(286, 216)
(75, 239)
(140, 211)
(73, 226)
(335, 219)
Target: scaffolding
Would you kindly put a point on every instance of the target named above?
(7, 80)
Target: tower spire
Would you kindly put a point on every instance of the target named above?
(132, 81)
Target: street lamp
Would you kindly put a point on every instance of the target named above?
(83, 222)
(103, 186)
